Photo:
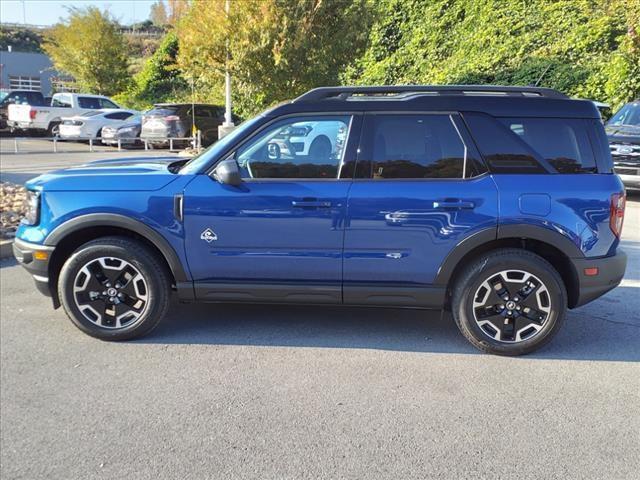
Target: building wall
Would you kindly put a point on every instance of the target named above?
(26, 65)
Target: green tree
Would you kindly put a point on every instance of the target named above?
(159, 80)
(89, 46)
(586, 48)
(278, 49)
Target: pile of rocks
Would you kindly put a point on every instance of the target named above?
(13, 206)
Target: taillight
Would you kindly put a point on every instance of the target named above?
(616, 214)
(32, 114)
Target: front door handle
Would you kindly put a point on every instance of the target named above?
(311, 204)
(454, 204)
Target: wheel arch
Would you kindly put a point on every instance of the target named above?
(552, 246)
(67, 237)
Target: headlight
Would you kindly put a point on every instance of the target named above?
(33, 208)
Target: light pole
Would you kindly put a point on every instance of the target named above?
(228, 125)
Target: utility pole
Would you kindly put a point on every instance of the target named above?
(228, 125)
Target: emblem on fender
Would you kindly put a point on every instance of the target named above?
(208, 235)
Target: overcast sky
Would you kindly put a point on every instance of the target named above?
(48, 12)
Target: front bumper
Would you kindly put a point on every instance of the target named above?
(37, 266)
(610, 273)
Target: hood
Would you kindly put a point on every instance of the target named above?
(122, 174)
(623, 133)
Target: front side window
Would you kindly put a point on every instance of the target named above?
(106, 103)
(301, 147)
(89, 102)
(418, 146)
(63, 101)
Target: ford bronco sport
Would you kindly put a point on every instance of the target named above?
(497, 203)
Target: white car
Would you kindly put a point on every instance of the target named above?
(90, 124)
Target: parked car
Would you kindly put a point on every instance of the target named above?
(91, 124)
(175, 120)
(497, 203)
(18, 97)
(623, 131)
(47, 119)
(128, 133)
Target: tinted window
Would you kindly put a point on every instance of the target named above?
(89, 102)
(118, 115)
(303, 147)
(564, 143)
(502, 148)
(105, 103)
(163, 111)
(203, 112)
(412, 146)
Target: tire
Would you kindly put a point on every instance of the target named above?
(54, 129)
(130, 310)
(320, 149)
(509, 302)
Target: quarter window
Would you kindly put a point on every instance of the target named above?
(564, 143)
(301, 147)
(413, 146)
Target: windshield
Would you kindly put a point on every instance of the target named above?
(197, 162)
(627, 115)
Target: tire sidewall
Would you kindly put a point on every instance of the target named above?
(484, 270)
(157, 290)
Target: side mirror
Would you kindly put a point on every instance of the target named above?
(228, 173)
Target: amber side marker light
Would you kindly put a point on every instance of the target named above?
(40, 255)
(591, 272)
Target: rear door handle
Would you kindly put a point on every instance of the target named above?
(311, 204)
(454, 204)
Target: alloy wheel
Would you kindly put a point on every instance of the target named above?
(110, 292)
(512, 306)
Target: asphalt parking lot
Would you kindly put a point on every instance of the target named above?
(261, 392)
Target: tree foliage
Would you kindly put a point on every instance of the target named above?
(278, 49)
(20, 39)
(89, 47)
(588, 48)
(159, 80)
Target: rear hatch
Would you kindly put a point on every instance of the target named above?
(162, 122)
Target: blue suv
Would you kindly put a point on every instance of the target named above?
(497, 203)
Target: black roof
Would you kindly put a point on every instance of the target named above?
(499, 101)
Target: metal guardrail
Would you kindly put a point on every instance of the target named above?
(196, 141)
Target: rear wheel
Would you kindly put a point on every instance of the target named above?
(114, 288)
(54, 129)
(509, 302)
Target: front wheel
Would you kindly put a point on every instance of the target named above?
(114, 288)
(509, 302)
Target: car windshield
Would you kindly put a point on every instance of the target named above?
(197, 162)
(627, 115)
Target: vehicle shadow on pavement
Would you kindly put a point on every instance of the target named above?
(588, 334)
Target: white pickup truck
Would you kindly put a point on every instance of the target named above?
(47, 118)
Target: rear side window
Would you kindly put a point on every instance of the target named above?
(414, 146)
(502, 149)
(564, 143)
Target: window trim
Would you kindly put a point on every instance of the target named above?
(471, 150)
(353, 143)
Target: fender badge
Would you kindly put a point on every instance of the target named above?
(208, 235)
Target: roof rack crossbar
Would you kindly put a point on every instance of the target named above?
(342, 93)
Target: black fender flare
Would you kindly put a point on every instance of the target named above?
(502, 232)
(115, 220)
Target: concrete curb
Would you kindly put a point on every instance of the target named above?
(6, 249)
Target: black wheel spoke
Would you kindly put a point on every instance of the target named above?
(511, 306)
(106, 293)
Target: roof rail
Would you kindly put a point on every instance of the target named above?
(343, 93)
